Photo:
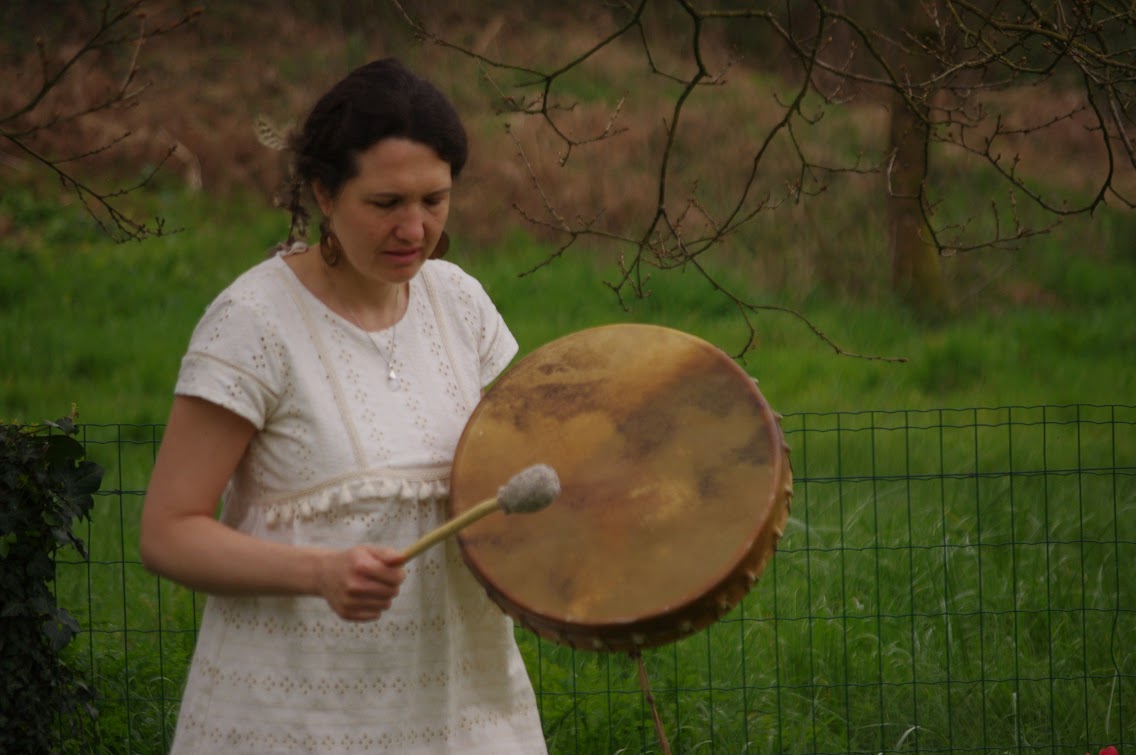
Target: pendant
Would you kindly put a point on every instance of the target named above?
(393, 381)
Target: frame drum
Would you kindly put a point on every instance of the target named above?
(675, 487)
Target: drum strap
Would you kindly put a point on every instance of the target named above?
(645, 685)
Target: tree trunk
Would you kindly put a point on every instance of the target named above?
(915, 261)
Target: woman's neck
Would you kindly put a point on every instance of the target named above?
(345, 292)
(372, 305)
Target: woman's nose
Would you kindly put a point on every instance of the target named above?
(412, 225)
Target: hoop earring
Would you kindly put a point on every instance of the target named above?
(441, 247)
(330, 249)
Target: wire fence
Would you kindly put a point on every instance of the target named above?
(950, 580)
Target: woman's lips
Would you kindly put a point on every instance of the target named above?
(403, 255)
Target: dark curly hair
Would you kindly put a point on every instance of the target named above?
(379, 100)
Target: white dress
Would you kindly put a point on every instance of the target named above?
(341, 459)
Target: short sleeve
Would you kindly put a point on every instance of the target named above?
(480, 329)
(234, 359)
(497, 345)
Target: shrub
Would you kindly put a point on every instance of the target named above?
(45, 487)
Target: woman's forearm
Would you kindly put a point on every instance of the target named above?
(204, 554)
(182, 541)
(180, 537)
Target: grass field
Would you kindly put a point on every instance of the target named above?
(950, 581)
(956, 575)
(104, 325)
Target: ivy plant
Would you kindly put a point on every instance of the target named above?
(46, 487)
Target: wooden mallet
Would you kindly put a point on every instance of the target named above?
(529, 490)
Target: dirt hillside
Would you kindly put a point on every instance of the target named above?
(200, 88)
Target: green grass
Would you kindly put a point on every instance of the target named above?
(89, 321)
(104, 325)
(951, 579)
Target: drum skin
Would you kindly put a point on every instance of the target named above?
(675, 487)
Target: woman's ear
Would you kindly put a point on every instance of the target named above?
(323, 199)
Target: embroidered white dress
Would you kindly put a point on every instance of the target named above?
(341, 459)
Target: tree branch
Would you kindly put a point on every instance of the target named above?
(20, 124)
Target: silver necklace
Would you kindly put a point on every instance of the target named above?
(393, 381)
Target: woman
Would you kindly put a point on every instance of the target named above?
(322, 398)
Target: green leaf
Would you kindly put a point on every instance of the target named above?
(66, 424)
(88, 477)
(62, 448)
(60, 630)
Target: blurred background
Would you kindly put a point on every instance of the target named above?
(912, 222)
(903, 180)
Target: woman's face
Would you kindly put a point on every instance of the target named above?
(389, 217)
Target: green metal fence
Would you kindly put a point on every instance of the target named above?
(950, 580)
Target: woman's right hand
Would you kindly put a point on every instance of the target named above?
(359, 583)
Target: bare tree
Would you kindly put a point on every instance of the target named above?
(48, 104)
(942, 69)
